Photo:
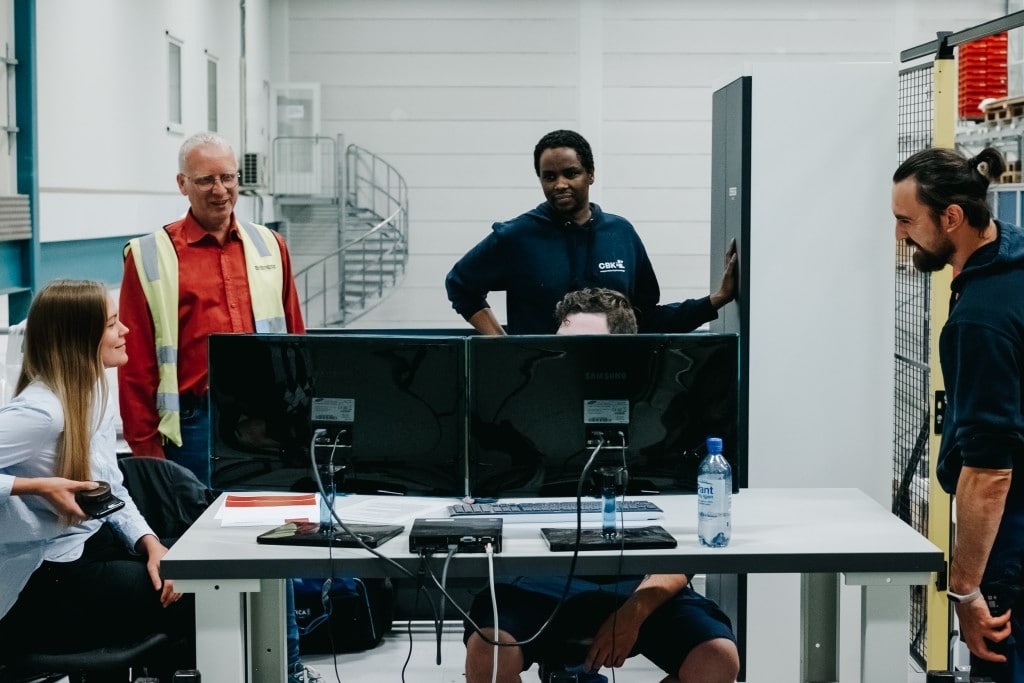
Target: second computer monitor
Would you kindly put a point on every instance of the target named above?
(535, 402)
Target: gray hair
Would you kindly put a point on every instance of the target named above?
(200, 140)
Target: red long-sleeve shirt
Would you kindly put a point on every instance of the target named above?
(213, 298)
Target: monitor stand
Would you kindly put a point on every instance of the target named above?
(631, 538)
(311, 533)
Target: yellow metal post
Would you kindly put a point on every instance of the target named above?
(937, 607)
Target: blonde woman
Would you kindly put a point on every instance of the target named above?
(67, 581)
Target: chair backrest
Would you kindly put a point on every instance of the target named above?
(168, 495)
(10, 363)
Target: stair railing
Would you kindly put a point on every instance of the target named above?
(336, 289)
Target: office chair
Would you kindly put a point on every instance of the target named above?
(168, 495)
(100, 665)
(170, 498)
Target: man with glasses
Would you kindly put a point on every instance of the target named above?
(203, 274)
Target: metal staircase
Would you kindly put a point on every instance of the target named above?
(345, 217)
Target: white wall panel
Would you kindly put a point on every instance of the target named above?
(821, 281)
(447, 69)
(679, 236)
(103, 89)
(447, 137)
(464, 169)
(658, 137)
(776, 36)
(661, 169)
(70, 216)
(462, 103)
(640, 204)
(486, 205)
(630, 103)
(675, 70)
(106, 160)
(439, 237)
(389, 35)
(768, 12)
(430, 10)
(456, 93)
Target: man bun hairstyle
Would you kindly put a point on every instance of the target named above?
(945, 176)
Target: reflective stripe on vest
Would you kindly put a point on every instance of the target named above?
(157, 264)
(266, 277)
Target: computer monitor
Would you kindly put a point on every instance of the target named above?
(535, 401)
(393, 406)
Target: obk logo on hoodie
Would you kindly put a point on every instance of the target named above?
(612, 266)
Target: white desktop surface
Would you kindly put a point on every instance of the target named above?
(802, 531)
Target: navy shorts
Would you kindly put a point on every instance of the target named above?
(666, 637)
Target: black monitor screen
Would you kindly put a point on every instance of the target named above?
(535, 400)
(397, 401)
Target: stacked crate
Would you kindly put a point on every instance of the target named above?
(981, 74)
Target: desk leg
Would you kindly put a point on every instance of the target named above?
(266, 619)
(220, 626)
(885, 622)
(819, 628)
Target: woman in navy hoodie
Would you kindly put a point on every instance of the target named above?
(563, 245)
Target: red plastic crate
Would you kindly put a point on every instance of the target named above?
(981, 71)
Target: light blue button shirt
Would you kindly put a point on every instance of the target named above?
(30, 530)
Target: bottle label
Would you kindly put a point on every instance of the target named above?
(713, 496)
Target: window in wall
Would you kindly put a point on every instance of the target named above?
(174, 120)
(211, 92)
(9, 124)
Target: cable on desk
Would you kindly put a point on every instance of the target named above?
(420, 588)
(494, 608)
(622, 547)
(334, 513)
(568, 578)
(439, 624)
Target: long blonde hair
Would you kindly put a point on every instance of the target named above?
(62, 350)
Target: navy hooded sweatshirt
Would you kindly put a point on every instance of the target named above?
(981, 349)
(539, 257)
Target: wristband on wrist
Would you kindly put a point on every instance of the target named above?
(965, 598)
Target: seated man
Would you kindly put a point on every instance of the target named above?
(595, 311)
(607, 619)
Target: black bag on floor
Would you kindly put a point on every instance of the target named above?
(353, 613)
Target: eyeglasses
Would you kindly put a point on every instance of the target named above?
(228, 180)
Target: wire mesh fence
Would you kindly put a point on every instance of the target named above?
(912, 407)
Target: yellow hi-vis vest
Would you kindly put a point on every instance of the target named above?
(157, 264)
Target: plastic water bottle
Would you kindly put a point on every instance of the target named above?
(714, 497)
(609, 504)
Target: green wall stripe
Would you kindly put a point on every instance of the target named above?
(97, 259)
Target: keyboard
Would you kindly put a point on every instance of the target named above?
(555, 511)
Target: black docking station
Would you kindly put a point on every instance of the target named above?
(436, 535)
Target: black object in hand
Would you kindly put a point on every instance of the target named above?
(98, 502)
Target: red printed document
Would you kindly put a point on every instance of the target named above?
(268, 509)
(269, 500)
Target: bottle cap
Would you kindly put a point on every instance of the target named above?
(714, 445)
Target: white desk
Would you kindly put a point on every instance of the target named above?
(819, 533)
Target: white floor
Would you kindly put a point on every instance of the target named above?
(385, 662)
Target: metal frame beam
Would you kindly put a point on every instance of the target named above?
(947, 40)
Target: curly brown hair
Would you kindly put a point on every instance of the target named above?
(615, 306)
